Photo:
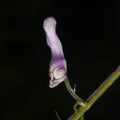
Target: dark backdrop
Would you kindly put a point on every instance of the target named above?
(89, 32)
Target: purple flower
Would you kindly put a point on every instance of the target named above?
(58, 69)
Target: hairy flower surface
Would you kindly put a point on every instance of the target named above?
(58, 69)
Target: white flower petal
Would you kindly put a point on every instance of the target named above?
(58, 69)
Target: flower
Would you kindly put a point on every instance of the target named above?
(58, 69)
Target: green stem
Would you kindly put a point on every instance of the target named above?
(73, 94)
(75, 107)
(58, 117)
(96, 94)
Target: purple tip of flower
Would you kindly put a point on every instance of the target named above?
(58, 70)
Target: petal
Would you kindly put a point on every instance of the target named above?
(53, 41)
(58, 69)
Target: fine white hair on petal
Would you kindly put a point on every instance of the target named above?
(49, 23)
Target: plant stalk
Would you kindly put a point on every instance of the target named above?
(96, 94)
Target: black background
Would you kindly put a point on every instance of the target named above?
(89, 32)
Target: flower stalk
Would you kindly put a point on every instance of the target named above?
(73, 94)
